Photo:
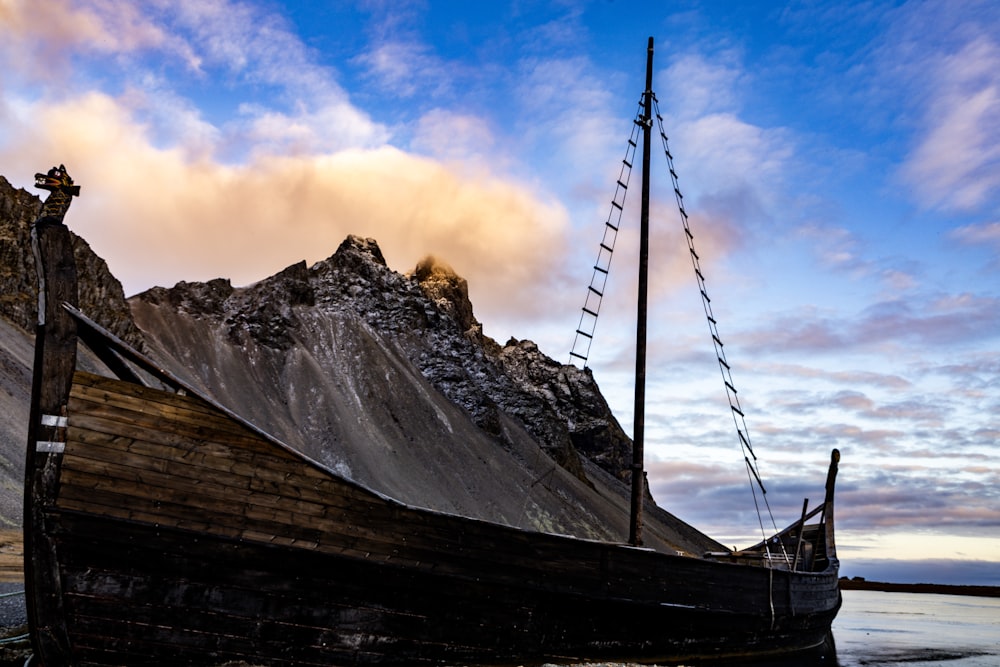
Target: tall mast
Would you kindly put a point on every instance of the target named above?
(638, 471)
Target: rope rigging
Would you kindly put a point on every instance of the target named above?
(739, 418)
(602, 266)
(592, 304)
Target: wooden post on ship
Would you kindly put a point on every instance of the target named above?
(638, 471)
(55, 361)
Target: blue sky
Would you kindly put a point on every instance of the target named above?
(840, 162)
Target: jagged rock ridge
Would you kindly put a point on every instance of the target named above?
(429, 315)
(307, 331)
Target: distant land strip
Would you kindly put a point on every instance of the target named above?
(858, 584)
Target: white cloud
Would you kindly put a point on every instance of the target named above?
(39, 38)
(454, 137)
(703, 87)
(983, 234)
(721, 156)
(406, 69)
(953, 73)
(564, 99)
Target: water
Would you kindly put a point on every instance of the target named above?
(876, 629)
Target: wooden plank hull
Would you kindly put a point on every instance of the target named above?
(184, 537)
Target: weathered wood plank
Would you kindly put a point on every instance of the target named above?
(176, 481)
(132, 421)
(84, 443)
(237, 511)
(89, 384)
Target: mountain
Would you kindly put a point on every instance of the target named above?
(386, 378)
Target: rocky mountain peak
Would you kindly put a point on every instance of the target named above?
(448, 290)
(358, 253)
(428, 316)
(196, 299)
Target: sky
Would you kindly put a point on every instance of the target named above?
(839, 162)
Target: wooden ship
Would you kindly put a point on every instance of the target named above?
(161, 528)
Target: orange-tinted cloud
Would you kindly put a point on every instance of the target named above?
(162, 215)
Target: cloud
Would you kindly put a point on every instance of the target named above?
(39, 38)
(159, 216)
(728, 165)
(719, 154)
(953, 71)
(930, 320)
(454, 137)
(248, 43)
(261, 79)
(850, 377)
(987, 233)
(707, 87)
(285, 177)
(888, 498)
(836, 247)
(287, 103)
(406, 69)
(911, 500)
(575, 122)
(328, 127)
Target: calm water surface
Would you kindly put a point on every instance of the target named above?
(876, 629)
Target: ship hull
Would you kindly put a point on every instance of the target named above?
(176, 534)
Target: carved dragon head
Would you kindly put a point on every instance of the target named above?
(57, 180)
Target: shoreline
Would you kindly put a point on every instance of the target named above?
(936, 589)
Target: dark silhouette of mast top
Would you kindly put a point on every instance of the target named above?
(638, 471)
